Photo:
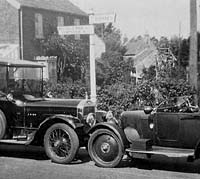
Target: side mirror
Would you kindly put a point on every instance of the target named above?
(148, 109)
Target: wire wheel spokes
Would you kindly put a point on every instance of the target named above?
(60, 142)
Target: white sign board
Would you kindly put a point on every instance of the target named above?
(74, 30)
(102, 18)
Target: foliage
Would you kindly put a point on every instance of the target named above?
(118, 93)
(115, 89)
(149, 73)
(66, 89)
(111, 66)
(121, 96)
(179, 47)
(72, 56)
(184, 52)
(117, 97)
(113, 39)
(167, 83)
(152, 92)
(113, 69)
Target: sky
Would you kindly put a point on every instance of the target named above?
(138, 17)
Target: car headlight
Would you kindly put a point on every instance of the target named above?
(91, 120)
(151, 125)
(19, 103)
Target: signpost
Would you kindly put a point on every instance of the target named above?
(102, 18)
(96, 19)
(74, 30)
(89, 29)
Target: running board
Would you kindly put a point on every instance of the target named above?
(169, 152)
(20, 146)
(12, 141)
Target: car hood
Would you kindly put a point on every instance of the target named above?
(47, 102)
(133, 118)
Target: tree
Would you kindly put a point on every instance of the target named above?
(111, 66)
(184, 54)
(72, 56)
(163, 42)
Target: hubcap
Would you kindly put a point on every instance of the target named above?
(57, 143)
(60, 142)
(105, 148)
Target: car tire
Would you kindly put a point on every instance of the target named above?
(3, 124)
(105, 148)
(61, 143)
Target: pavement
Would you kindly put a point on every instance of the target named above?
(32, 163)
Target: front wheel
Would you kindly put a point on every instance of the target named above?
(2, 124)
(61, 143)
(105, 148)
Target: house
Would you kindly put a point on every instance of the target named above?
(142, 52)
(25, 22)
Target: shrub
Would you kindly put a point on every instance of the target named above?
(120, 97)
(66, 89)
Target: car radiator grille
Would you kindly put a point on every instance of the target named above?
(88, 109)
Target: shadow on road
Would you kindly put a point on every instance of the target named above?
(22, 151)
(163, 163)
(37, 153)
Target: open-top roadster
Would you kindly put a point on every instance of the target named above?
(171, 129)
(29, 118)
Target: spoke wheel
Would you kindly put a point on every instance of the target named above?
(2, 124)
(105, 148)
(61, 143)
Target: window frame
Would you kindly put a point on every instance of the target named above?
(39, 32)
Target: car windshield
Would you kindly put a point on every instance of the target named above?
(21, 80)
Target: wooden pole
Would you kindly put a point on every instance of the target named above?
(193, 73)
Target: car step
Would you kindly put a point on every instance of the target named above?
(169, 152)
(20, 146)
(13, 141)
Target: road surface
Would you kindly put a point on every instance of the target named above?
(26, 163)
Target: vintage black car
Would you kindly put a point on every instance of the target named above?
(171, 129)
(29, 118)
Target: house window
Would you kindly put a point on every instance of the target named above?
(77, 22)
(38, 26)
(67, 20)
(60, 20)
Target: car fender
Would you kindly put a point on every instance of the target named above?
(72, 121)
(133, 119)
(101, 115)
(114, 128)
(197, 150)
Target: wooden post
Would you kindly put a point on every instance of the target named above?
(193, 72)
(93, 95)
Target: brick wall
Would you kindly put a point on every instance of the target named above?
(31, 44)
(9, 23)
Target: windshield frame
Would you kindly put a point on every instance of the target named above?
(21, 64)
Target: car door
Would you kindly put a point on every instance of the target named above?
(189, 129)
(167, 128)
(167, 125)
